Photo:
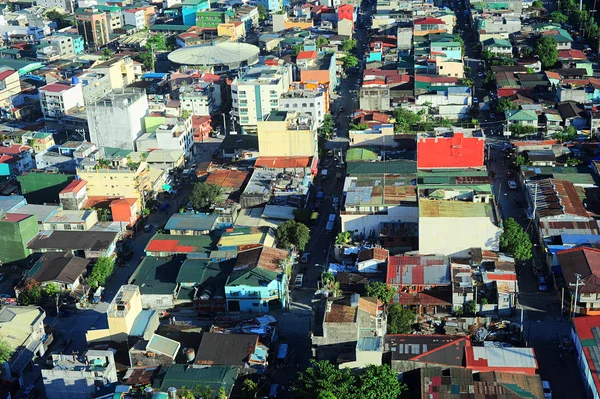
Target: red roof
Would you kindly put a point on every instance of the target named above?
(8, 159)
(74, 187)
(227, 178)
(536, 142)
(512, 92)
(124, 201)
(133, 10)
(429, 21)
(55, 87)
(283, 162)
(14, 217)
(572, 55)
(6, 74)
(158, 245)
(188, 35)
(436, 79)
(450, 152)
(585, 328)
(502, 276)
(14, 149)
(553, 75)
(421, 298)
(305, 55)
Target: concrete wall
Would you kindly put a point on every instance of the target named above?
(375, 98)
(439, 235)
(369, 223)
(157, 302)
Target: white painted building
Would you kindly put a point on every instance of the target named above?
(255, 94)
(67, 5)
(199, 98)
(59, 99)
(116, 119)
(439, 222)
(175, 134)
(307, 101)
(134, 17)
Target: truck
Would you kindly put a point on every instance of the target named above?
(282, 353)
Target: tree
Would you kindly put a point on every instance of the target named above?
(546, 50)
(379, 382)
(530, 70)
(487, 55)
(157, 42)
(326, 395)
(204, 195)
(349, 61)
(404, 119)
(573, 161)
(51, 289)
(296, 49)
(321, 41)
(100, 271)
(516, 241)
(327, 126)
(348, 45)
(30, 292)
(400, 320)
(537, 4)
(504, 104)
(186, 394)
(58, 17)
(293, 235)
(521, 160)
(518, 129)
(250, 388)
(558, 17)
(381, 291)
(302, 215)
(146, 58)
(107, 53)
(470, 307)
(323, 376)
(459, 39)
(343, 237)
(5, 351)
(262, 12)
(468, 82)
(567, 134)
(358, 126)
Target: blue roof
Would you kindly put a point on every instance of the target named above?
(141, 322)
(458, 89)
(579, 239)
(154, 75)
(192, 221)
(557, 248)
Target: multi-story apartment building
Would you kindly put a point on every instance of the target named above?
(67, 5)
(312, 102)
(10, 85)
(198, 98)
(135, 17)
(287, 134)
(55, 47)
(256, 93)
(116, 119)
(119, 70)
(115, 181)
(169, 134)
(114, 16)
(59, 99)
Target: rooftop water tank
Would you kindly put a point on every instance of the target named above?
(74, 80)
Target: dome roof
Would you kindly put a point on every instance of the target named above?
(227, 54)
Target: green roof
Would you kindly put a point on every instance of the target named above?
(205, 272)
(12, 51)
(239, 141)
(157, 275)
(446, 44)
(163, 345)
(41, 135)
(497, 42)
(180, 375)
(254, 277)
(521, 115)
(164, 27)
(108, 8)
(361, 154)
(449, 177)
(480, 188)
(113, 152)
(400, 167)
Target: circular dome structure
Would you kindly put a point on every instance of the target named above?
(226, 55)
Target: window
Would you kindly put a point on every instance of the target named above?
(67, 227)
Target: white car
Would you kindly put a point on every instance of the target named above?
(512, 184)
(481, 74)
(547, 390)
(299, 280)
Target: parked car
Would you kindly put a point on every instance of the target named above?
(512, 184)
(299, 280)
(547, 390)
(148, 228)
(542, 285)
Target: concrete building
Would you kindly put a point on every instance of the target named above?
(121, 316)
(125, 110)
(460, 151)
(134, 17)
(270, 5)
(312, 102)
(58, 100)
(119, 70)
(119, 181)
(94, 86)
(67, 5)
(586, 343)
(199, 98)
(287, 134)
(74, 196)
(378, 136)
(114, 16)
(256, 93)
(79, 377)
(16, 230)
(93, 25)
(10, 86)
(56, 47)
(22, 328)
(15, 159)
(439, 221)
(173, 134)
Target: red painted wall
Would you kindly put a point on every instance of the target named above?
(450, 152)
(346, 11)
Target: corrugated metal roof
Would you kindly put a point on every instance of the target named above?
(191, 221)
(434, 208)
(491, 357)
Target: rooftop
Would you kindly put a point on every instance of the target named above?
(378, 190)
(438, 349)
(192, 222)
(165, 243)
(556, 197)
(448, 209)
(58, 267)
(180, 375)
(239, 349)
(418, 270)
(157, 275)
(97, 241)
(581, 261)
(500, 358)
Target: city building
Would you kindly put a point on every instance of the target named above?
(169, 134)
(243, 351)
(93, 26)
(10, 86)
(235, 30)
(190, 8)
(125, 109)
(58, 100)
(17, 230)
(460, 151)
(120, 181)
(581, 265)
(122, 313)
(55, 47)
(15, 160)
(22, 328)
(119, 70)
(114, 16)
(67, 5)
(61, 269)
(287, 134)
(74, 196)
(257, 92)
(42, 141)
(585, 336)
(270, 5)
(312, 102)
(134, 17)
(79, 376)
(199, 98)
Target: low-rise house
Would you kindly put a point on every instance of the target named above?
(459, 150)
(191, 224)
(408, 352)
(586, 342)
(157, 281)
(257, 282)
(242, 238)
(581, 265)
(79, 375)
(540, 158)
(58, 268)
(203, 282)
(157, 351)
(90, 244)
(573, 115)
(379, 135)
(15, 160)
(164, 245)
(179, 376)
(243, 351)
(500, 47)
(372, 260)
(22, 329)
(513, 360)
(521, 117)
(562, 37)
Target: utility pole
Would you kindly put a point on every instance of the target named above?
(578, 282)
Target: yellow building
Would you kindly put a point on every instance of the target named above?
(42, 141)
(127, 181)
(10, 85)
(287, 134)
(119, 70)
(236, 30)
(449, 68)
(122, 313)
